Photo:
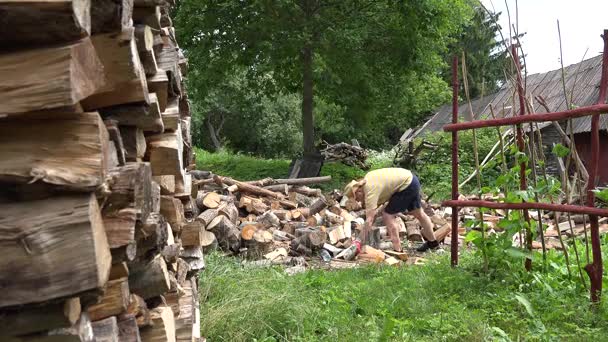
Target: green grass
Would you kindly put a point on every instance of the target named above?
(246, 168)
(433, 302)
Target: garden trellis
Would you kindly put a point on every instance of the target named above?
(593, 269)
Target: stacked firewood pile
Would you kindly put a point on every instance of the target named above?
(280, 221)
(347, 154)
(94, 194)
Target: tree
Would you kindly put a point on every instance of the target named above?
(358, 55)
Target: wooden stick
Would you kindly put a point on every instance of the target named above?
(244, 187)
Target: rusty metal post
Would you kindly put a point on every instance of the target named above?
(454, 246)
(595, 269)
(521, 145)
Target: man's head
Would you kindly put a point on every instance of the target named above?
(354, 190)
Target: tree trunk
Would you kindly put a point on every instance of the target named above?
(307, 99)
(212, 133)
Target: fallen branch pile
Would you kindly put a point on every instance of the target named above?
(94, 194)
(347, 154)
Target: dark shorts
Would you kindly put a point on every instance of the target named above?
(406, 200)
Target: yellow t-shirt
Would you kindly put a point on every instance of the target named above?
(381, 184)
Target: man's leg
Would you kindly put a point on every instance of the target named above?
(391, 226)
(427, 230)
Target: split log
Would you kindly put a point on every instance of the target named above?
(127, 329)
(146, 116)
(166, 153)
(106, 330)
(138, 308)
(279, 235)
(315, 220)
(173, 210)
(282, 214)
(207, 216)
(300, 199)
(110, 15)
(167, 60)
(155, 198)
(304, 190)
(120, 270)
(171, 252)
(170, 115)
(226, 233)
(258, 243)
(32, 23)
(185, 322)
(159, 83)
(120, 227)
(134, 142)
(114, 135)
(152, 235)
(442, 232)
(125, 253)
(311, 238)
(31, 319)
(413, 232)
(162, 328)
(208, 242)
(78, 163)
(253, 205)
(316, 207)
(166, 183)
(150, 280)
(269, 219)
(336, 234)
(332, 218)
(192, 234)
(58, 247)
(183, 186)
(130, 187)
(182, 271)
(244, 187)
(144, 38)
(81, 331)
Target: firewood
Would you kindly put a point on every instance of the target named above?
(120, 227)
(112, 155)
(399, 255)
(155, 198)
(171, 252)
(138, 308)
(77, 164)
(230, 211)
(259, 243)
(186, 322)
(182, 271)
(192, 234)
(127, 329)
(310, 238)
(413, 232)
(332, 218)
(151, 279)
(167, 60)
(171, 115)
(247, 231)
(226, 233)
(113, 302)
(248, 188)
(159, 84)
(40, 236)
(144, 38)
(125, 78)
(146, 116)
(183, 186)
(134, 143)
(147, 16)
(81, 331)
(296, 215)
(209, 242)
(373, 254)
(304, 190)
(442, 232)
(167, 184)
(336, 234)
(207, 216)
(282, 188)
(209, 200)
(124, 253)
(130, 187)
(31, 319)
(253, 205)
(151, 235)
(119, 270)
(114, 136)
(33, 23)
(183, 62)
(352, 205)
(166, 153)
(173, 210)
(110, 15)
(282, 214)
(315, 220)
(300, 199)
(163, 325)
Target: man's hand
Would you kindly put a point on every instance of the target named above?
(370, 216)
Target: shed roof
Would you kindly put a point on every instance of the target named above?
(582, 85)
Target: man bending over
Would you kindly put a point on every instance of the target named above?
(401, 189)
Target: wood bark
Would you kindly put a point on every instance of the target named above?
(58, 247)
(125, 77)
(76, 164)
(146, 116)
(173, 210)
(300, 199)
(113, 302)
(127, 329)
(207, 216)
(32, 23)
(81, 331)
(106, 330)
(150, 280)
(307, 98)
(31, 319)
(244, 187)
(230, 211)
(110, 15)
(304, 190)
(226, 233)
(139, 309)
(115, 137)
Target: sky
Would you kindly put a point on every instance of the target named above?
(581, 24)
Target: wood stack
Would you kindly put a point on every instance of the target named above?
(347, 154)
(96, 210)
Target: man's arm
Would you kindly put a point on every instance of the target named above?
(370, 215)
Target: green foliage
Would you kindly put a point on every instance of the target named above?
(376, 66)
(435, 169)
(432, 302)
(560, 150)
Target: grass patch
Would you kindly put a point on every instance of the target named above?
(427, 303)
(246, 168)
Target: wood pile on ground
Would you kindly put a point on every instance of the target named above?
(96, 203)
(347, 154)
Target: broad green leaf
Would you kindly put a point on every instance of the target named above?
(560, 150)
